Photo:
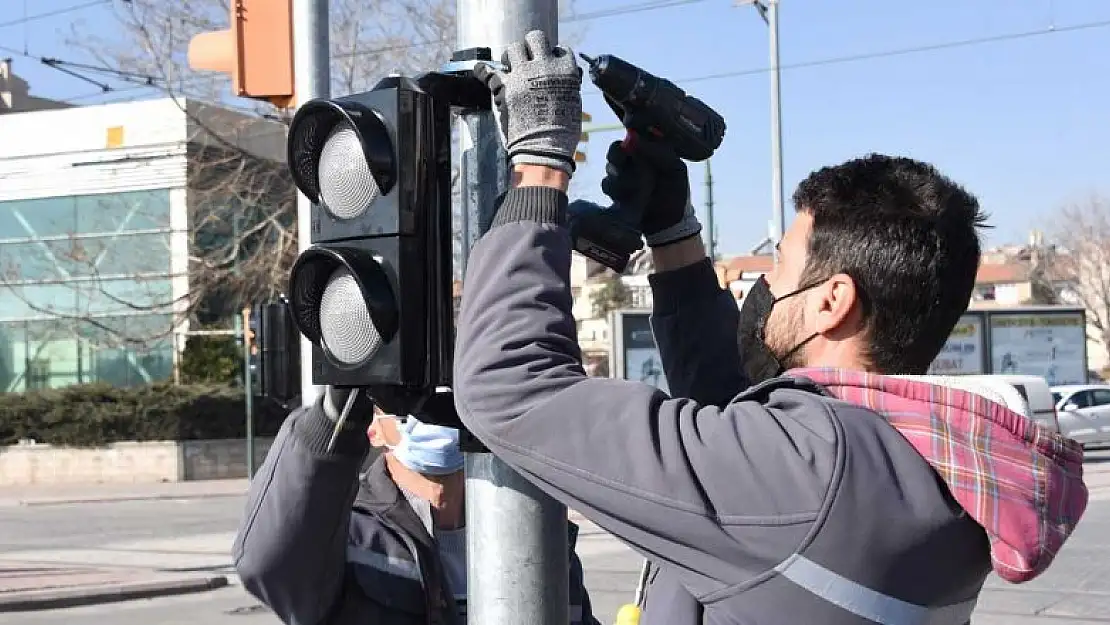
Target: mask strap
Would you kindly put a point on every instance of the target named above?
(796, 348)
(801, 289)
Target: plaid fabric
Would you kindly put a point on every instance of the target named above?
(1020, 481)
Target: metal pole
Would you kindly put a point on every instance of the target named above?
(712, 238)
(312, 75)
(517, 570)
(777, 192)
(243, 326)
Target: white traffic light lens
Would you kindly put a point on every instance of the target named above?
(346, 186)
(346, 328)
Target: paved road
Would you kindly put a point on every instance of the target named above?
(196, 534)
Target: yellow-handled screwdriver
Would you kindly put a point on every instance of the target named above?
(629, 614)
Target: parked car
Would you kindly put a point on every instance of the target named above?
(1026, 394)
(1038, 398)
(1084, 412)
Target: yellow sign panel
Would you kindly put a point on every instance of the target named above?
(965, 329)
(114, 137)
(1037, 321)
(579, 157)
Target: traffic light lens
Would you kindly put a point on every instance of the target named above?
(346, 185)
(346, 328)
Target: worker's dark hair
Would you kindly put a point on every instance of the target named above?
(908, 237)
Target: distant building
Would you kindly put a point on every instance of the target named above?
(95, 236)
(15, 94)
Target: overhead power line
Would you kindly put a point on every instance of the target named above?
(936, 47)
(578, 17)
(55, 12)
(835, 60)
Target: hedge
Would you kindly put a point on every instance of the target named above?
(96, 414)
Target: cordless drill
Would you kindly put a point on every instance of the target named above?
(655, 108)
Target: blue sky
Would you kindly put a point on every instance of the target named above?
(1023, 121)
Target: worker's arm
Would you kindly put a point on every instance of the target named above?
(291, 550)
(717, 493)
(695, 323)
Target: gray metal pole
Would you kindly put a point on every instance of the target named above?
(243, 325)
(777, 192)
(516, 535)
(712, 238)
(312, 79)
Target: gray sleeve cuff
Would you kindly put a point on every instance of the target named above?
(313, 428)
(692, 282)
(539, 204)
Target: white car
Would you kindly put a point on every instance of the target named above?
(1083, 411)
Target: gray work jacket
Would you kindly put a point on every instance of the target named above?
(322, 545)
(775, 504)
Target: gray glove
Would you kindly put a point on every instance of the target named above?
(539, 101)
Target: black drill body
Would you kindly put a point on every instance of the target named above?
(652, 107)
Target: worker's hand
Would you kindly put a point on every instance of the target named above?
(539, 102)
(362, 410)
(649, 175)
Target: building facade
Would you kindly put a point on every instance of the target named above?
(94, 243)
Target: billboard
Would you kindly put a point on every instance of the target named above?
(1051, 344)
(965, 352)
(635, 356)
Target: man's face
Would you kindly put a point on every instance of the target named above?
(787, 327)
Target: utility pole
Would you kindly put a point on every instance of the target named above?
(711, 244)
(312, 76)
(769, 11)
(776, 127)
(517, 569)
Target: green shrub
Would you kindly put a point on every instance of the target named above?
(96, 414)
(211, 360)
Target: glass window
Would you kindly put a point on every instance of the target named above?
(61, 352)
(1082, 399)
(124, 295)
(39, 261)
(1100, 397)
(119, 212)
(127, 255)
(38, 300)
(25, 219)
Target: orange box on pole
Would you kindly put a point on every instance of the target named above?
(256, 51)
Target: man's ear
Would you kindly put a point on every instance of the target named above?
(839, 308)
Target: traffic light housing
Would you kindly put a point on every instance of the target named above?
(253, 342)
(373, 292)
(256, 50)
(279, 353)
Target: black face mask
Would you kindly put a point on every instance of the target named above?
(760, 363)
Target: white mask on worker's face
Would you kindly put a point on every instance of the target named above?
(427, 449)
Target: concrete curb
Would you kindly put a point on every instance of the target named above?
(114, 499)
(91, 595)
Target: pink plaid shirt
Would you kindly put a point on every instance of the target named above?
(1020, 481)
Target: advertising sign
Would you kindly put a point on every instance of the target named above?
(636, 356)
(965, 351)
(1050, 344)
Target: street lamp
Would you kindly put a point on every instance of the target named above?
(769, 11)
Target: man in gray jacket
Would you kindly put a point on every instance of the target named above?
(788, 479)
(321, 544)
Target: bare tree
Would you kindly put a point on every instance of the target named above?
(241, 203)
(1082, 239)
